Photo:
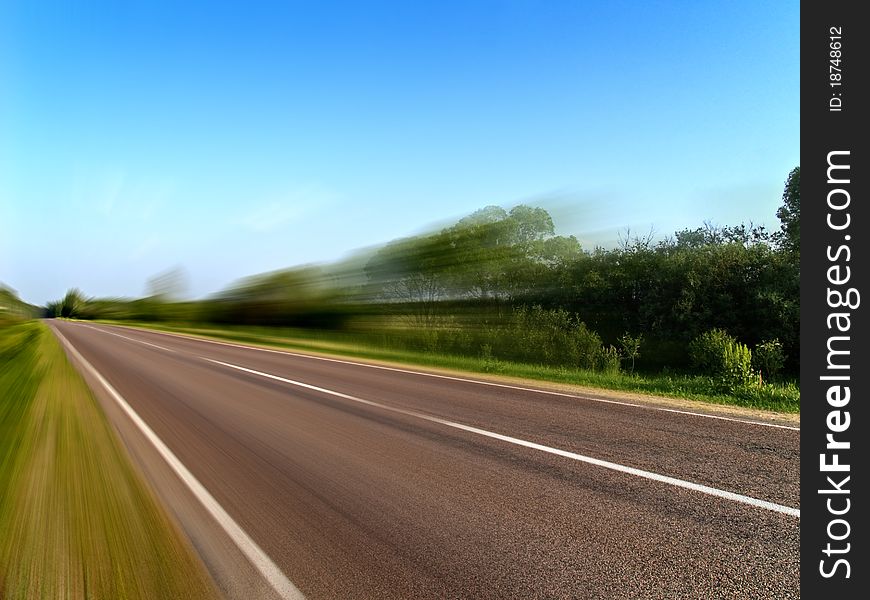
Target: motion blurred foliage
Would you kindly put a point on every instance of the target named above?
(170, 285)
(501, 284)
(13, 308)
(302, 297)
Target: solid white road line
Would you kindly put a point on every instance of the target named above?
(711, 491)
(131, 339)
(462, 379)
(268, 569)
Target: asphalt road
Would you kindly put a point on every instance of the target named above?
(353, 481)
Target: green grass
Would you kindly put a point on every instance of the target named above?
(75, 519)
(778, 397)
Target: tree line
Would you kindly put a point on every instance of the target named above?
(502, 283)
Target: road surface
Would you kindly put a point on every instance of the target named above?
(299, 476)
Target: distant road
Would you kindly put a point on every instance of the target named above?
(353, 481)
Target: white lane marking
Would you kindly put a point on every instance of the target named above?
(131, 339)
(787, 510)
(268, 569)
(465, 380)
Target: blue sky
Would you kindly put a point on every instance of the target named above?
(233, 139)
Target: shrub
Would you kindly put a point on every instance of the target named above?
(607, 360)
(736, 367)
(630, 347)
(769, 358)
(490, 364)
(550, 337)
(707, 351)
(728, 361)
(585, 347)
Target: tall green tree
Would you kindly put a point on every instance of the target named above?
(789, 214)
(500, 256)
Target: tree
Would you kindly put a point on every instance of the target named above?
(530, 224)
(411, 271)
(72, 303)
(168, 285)
(630, 347)
(789, 215)
(500, 256)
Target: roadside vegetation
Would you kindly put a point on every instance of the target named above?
(780, 396)
(709, 313)
(75, 519)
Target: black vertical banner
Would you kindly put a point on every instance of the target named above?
(835, 437)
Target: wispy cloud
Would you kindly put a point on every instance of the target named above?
(112, 188)
(271, 216)
(291, 206)
(145, 247)
(116, 194)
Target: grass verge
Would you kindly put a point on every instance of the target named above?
(777, 397)
(75, 519)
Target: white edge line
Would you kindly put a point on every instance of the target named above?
(787, 510)
(267, 568)
(462, 379)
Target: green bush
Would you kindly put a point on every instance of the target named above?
(736, 367)
(607, 360)
(769, 358)
(707, 351)
(630, 347)
(548, 337)
(726, 360)
(490, 364)
(584, 347)
(528, 334)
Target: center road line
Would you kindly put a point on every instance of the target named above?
(452, 378)
(132, 339)
(267, 568)
(711, 491)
